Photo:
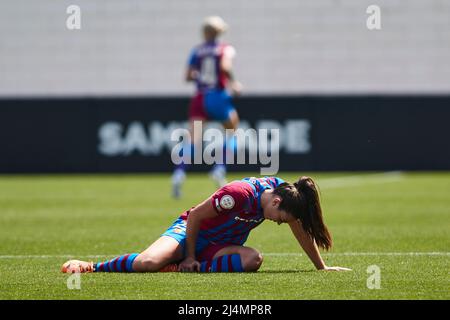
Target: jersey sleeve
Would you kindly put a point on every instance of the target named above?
(277, 181)
(230, 198)
(229, 52)
(193, 59)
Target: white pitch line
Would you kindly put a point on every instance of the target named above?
(362, 179)
(363, 254)
(67, 256)
(273, 254)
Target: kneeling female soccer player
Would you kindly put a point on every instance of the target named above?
(210, 237)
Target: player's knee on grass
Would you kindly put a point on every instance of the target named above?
(147, 263)
(251, 260)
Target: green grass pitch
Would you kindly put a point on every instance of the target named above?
(398, 222)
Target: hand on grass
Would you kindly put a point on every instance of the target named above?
(189, 265)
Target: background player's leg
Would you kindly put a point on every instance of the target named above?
(219, 171)
(179, 173)
(233, 120)
(233, 259)
(164, 251)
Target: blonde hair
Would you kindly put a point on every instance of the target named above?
(217, 23)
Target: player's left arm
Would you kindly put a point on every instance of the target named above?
(226, 66)
(310, 247)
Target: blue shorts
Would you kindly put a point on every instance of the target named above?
(218, 105)
(204, 249)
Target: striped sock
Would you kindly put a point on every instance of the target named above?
(226, 263)
(119, 264)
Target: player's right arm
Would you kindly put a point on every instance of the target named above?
(204, 210)
(192, 72)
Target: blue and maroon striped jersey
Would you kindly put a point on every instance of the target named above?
(238, 205)
(205, 58)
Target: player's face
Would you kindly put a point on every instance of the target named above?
(283, 217)
(271, 212)
(209, 33)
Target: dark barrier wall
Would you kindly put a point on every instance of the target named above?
(133, 134)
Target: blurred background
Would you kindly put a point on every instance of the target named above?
(105, 98)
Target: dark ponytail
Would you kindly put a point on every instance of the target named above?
(312, 219)
(302, 200)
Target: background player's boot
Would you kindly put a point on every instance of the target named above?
(77, 266)
(178, 178)
(218, 174)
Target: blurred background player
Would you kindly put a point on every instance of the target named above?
(210, 67)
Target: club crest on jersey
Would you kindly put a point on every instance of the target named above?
(178, 230)
(227, 202)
